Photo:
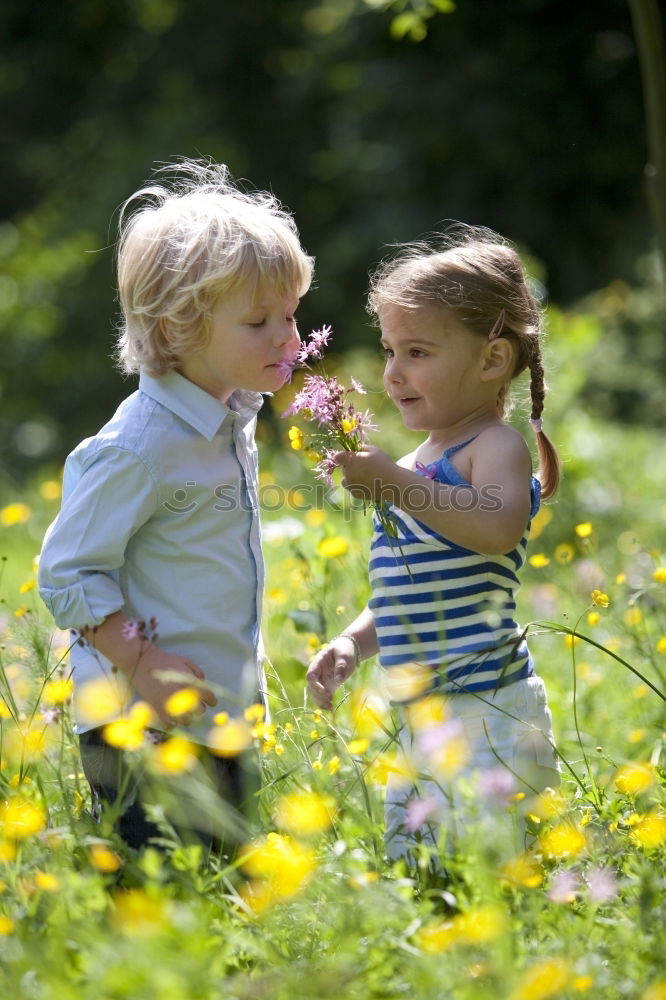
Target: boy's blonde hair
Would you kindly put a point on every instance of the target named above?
(474, 274)
(185, 243)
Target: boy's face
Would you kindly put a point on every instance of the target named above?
(251, 337)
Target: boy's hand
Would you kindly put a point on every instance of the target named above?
(330, 668)
(146, 680)
(368, 474)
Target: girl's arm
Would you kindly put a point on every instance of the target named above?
(339, 658)
(488, 516)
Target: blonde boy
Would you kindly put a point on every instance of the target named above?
(159, 521)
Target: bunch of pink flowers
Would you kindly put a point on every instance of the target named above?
(323, 401)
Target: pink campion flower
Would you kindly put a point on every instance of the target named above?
(563, 887)
(326, 467)
(418, 811)
(311, 350)
(497, 784)
(601, 884)
(340, 426)
(130, 630)
(436, 737)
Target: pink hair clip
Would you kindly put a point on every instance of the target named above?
(497, 328)
(536, 423)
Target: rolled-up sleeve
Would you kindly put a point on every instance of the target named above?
(109, 493)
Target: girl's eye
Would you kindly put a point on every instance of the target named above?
(257, 324)
(416, 353)
(386, 353)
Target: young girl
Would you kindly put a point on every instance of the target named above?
(458, 323)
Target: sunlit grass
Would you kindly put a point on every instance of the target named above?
(311, 907)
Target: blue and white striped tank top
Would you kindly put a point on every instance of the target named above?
(439, 604)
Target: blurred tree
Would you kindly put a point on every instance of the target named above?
(531, 124)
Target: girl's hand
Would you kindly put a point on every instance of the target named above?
(368, 474)
(330, 668)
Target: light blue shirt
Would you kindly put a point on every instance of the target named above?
(160, 519)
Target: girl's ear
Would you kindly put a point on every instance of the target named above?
(497, 360)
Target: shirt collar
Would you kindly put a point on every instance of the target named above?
(195, 406)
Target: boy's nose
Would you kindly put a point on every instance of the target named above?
(286, 332)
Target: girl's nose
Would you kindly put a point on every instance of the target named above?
(392, 371)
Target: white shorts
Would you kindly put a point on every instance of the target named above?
(491, 747)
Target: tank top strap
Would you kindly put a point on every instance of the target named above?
(458, 447)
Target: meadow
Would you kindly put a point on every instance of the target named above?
(312, 908)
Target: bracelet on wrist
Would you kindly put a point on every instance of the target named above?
(354, 642)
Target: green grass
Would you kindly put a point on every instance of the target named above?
(339, 921)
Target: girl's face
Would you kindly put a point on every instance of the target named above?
(433, 367)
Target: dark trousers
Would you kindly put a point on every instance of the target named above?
(213, 806)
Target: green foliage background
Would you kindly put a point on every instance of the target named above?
(526, 117)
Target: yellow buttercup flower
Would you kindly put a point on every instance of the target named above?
(99, 700)
(47, 882)
(255, 713)
(657, 991)
(58, 691)
(581, 984)
(390, 764)
(279, 867)
(333, 547)
(539, 560)
(137, 911)
(14, 513)
(659, 575)
(174, 756)
(348, 424)
(357, 747)
(296, 438)
(315, 518)
(50, 489)
(563, 840)
(104, 859)
(427, 712)
(21, 818)
(8, 850)
(304, 813)
(7, 925)
(571, 640)
(593, 618)
(182, 702)
(124, 735)
(584, 529)
(599, 599)
(540, 521)
(649, 831)
(634, 778)
(564, 553)
(661, 644)
(369, 712)
(542, 980)
(633, 616)
(408, 681)
(231, 738)
(333, 765)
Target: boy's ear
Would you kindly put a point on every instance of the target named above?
(497, 360)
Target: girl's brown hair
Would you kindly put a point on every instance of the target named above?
(477, 275)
